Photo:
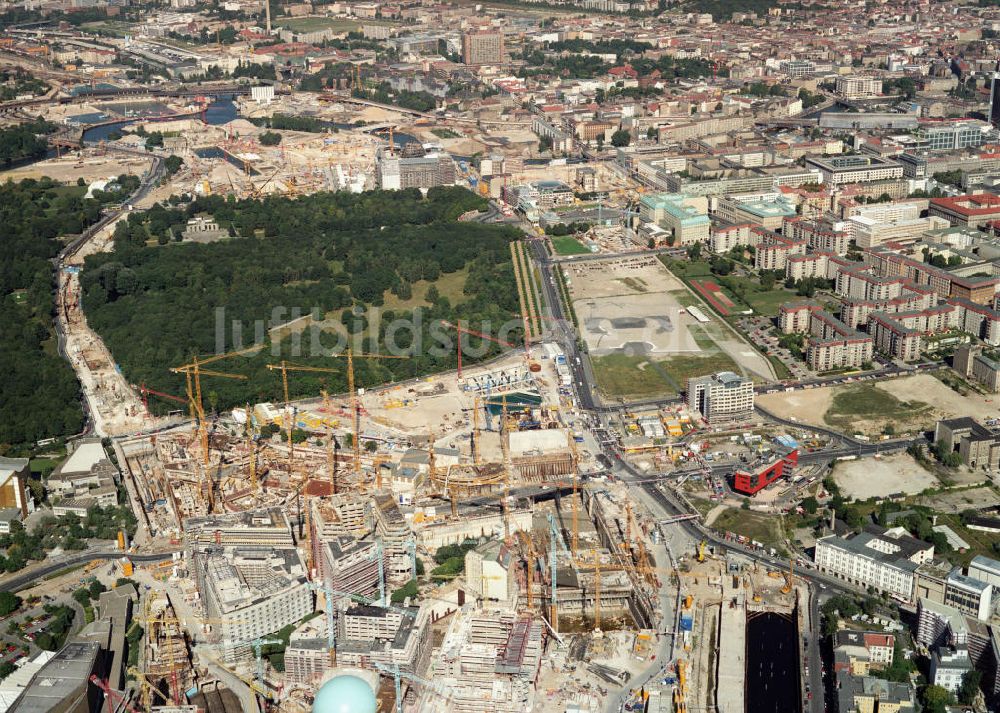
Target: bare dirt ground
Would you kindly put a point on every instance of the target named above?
(881, 477)
(807, 406)
(946, 403)
(69, 168)
(811, 405)
(958, 501)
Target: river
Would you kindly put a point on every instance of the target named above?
(772, 669)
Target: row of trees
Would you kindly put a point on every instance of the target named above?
(337, 253)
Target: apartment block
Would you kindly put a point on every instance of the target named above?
(886, 263)
(254, 590)
(723, 396)
(839, 170)
(839, 352)
(813, 264)
(855, 312)
(820, 236)
(893, 338)
(724, 239)
(796, 317)
(773, 250)
(858, 87)
(978, 320)
(835, 345)
(484, 47)
(882, 559)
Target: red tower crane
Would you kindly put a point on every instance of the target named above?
(145, 391)
(460, 329)
(110, 693)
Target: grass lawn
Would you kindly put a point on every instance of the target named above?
(446, 134)
(449, 285)
(756, 526)
(767, 302)
(638, 377)
(682, 367)
(635, 377)
(866, 401)
(568, 245)
(42, 467)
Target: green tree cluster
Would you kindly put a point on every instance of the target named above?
(407, 590)
(269, 138)
(25, 140)
(9, 603)
(16, 81)
(53, 636)
(560, 229)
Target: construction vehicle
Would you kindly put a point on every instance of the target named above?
(701, 551)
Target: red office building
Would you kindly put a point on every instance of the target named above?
(751, 482)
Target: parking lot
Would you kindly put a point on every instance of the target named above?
(760, 330)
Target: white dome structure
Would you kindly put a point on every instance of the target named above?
(345, 694)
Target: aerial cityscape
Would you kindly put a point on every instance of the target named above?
(562, 356)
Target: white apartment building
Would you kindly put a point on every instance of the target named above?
(882, 559)
(857, 87)
(722, 396)
(254, 590)
(949, 666)
(855, 169)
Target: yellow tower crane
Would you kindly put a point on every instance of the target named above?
(574, 466)
(251, 450)
(789, 577)
(192, 374)
(286, 367)
(505, 445)
(355, 405)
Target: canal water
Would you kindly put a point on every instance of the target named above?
(218, 112)
(772, 669)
